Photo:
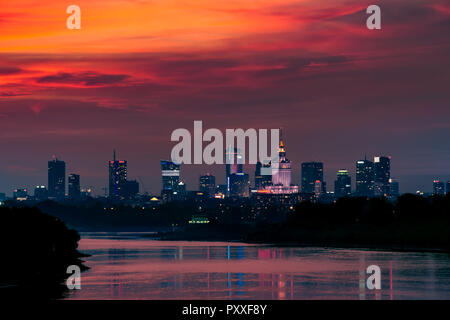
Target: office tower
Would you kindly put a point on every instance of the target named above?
(40, 193)
(130, 189)
(448, 186)
(74, 186)
(438, 188)
(56, 179)
(343, 184)
(239, 185)
(311, 172)
(2, 196)
(20, 194)
(382, 174)
(234, 161)
(208, 185)
(170, 172)
(394, 189)
(117, 176)
(262, 180)
(364, 178)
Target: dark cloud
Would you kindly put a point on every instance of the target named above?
(4, 71)
(84, 78)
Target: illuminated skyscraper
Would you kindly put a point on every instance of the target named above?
(311, 172)
(343, 184)
(239, 185)
(20, 194)
(40, 193)
(74, 186)
(382, 174)
(364, 178)
(208, 185)
(281, 174)
(56, 179)
(170, 172)
(234, 161)
(117, 176)
(438, 188)
(281, 171)
(394, 189)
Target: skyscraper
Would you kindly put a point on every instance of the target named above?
(394, 189)
(117, 176)
(262, 180)
(343, 184)
(281, 174)
(239, 185)
(281, 171)
(438, 188)
(208, 185)
(234, 161)
(40, 193)
(311, 172)
(170, 172)
(56, 179)
(74, 186)
(382, 174)
(364, 178)
(448, 187)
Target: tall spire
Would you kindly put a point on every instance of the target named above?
(114, 155)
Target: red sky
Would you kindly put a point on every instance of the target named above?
(137, 70)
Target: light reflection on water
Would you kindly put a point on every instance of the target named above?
(128, 266)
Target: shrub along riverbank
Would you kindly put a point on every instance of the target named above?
(36, 250)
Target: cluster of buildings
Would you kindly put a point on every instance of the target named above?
(271, 180)
(373, 179)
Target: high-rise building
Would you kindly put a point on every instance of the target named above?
(448, 186)
(20, 194)
(438, 188)
(239, 185)
(281, 174)
(394, 189)
(262, 180)
(208, 185)
(170, 172)
(281, 171)
(364, 178)
(40, 193)
(382, 174)
(343, 184)
(56, 179)
(118, 170)
(74, 186)
(234, 165)
(311, 172)
(130, 189)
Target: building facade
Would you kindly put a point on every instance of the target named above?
(56, 179)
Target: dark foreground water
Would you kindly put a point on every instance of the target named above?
(128, 266)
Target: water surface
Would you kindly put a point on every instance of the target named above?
(131, 266)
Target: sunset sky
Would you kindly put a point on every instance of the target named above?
(137, 70)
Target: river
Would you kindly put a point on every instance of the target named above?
(133, 266)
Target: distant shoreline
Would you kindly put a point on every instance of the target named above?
(178, 236)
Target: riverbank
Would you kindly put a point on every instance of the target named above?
(38, 249)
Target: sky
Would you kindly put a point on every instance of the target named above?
(137, 70)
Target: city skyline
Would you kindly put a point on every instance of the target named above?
(126, 81)
(120, 167)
